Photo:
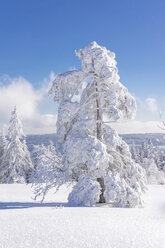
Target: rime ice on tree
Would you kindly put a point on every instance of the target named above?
(150, 161)
(16, 164)
(93, 154)
(3, 145)
(48, 171)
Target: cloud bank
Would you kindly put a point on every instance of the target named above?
(138, 127)
(152, 105)
(20, 92)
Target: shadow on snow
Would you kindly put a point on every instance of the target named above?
(22, 205)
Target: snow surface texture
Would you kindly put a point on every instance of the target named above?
(26, 223)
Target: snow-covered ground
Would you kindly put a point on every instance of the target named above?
(26, 223)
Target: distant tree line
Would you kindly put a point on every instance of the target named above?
(152, 159)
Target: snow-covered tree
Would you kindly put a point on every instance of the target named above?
(45, 157)
(48, 169)
(93, 154)
(16, 164)
(135, 153)
(3, 144)
(154, 176)
(150, 160)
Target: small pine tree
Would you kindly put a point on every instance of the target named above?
(3, 145)
(16, 164)
(150, 161)
(154, 176)
(134, 153)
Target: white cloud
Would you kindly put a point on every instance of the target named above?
(138, 127)
(147, 109)
(20, 92)
(152, 105)
(42, 124)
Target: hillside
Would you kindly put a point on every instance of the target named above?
(138, 139)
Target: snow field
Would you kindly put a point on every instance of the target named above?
(27, 223)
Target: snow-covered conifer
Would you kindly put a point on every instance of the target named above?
(48, 169)
(159, 157)
(151, 162)
(135, 153)
(16, 164)
(45, 158)
(3, 144)
(154, 176)
(93, 153)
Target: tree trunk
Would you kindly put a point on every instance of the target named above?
(98, 117)
(102, 185)
(99, 137)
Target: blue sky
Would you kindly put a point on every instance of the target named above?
(37, 37)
